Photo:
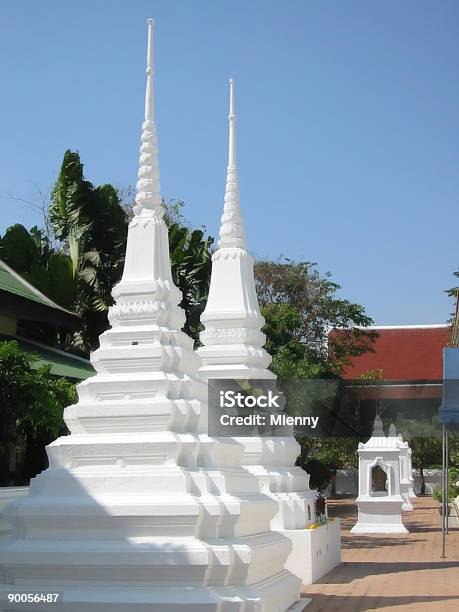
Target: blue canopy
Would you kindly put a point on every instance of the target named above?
(449, 408)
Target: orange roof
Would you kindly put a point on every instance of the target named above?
(404, 353)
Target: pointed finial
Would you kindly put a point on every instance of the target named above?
(232, 129)
(378, 429)
(392, 431)
(232, 226)
(149, 109)
(148, 196)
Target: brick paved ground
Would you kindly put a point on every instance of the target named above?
(400, 572)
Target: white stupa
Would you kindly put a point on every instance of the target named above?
(412, 494)
(233, 349)
(404, 458)
(406, 469)
(379, 501)
(140, 510)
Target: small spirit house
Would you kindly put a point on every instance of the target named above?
(380, 500)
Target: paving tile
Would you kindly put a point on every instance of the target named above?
(393, 573)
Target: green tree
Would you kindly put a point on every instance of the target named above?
(32, 403)
(290, 358)
(453, 291)
(300, 308)
(191, 263)
(425, 441)
(92, 225)
(454, 331)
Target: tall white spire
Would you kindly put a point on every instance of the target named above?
(232, 337)
(232, 226)
(148, 196)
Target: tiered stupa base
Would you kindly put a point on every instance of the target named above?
(123, 534)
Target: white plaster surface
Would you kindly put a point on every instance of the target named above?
(8, 495)
(320, 547)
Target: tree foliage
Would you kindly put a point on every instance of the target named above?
(32, 403)
(452, 292)
(191, 263)
(92, 225)
(300, 308)
(425, 441)
(31, 397)
(322, 457)
(31, 254)
(454, 330)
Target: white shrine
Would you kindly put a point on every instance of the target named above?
(233, 349)
(411, 492)
(140, 510)
(380, 500)
(406, 483)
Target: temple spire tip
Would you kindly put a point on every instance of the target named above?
(149, 113)
(232, 127)
(232, 114)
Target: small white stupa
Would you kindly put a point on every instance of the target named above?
(412, 494)
(139, 510)
(407, 471)
(379, 501)
(405, 456)
(233, 349)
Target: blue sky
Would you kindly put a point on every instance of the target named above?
(348, 125)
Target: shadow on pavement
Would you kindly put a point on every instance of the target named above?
(354, 570)
(334, 603)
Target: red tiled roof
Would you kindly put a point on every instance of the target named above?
(404, 353)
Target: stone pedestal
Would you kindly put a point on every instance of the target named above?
(384, 516)
(315, 552)
(379, 501)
